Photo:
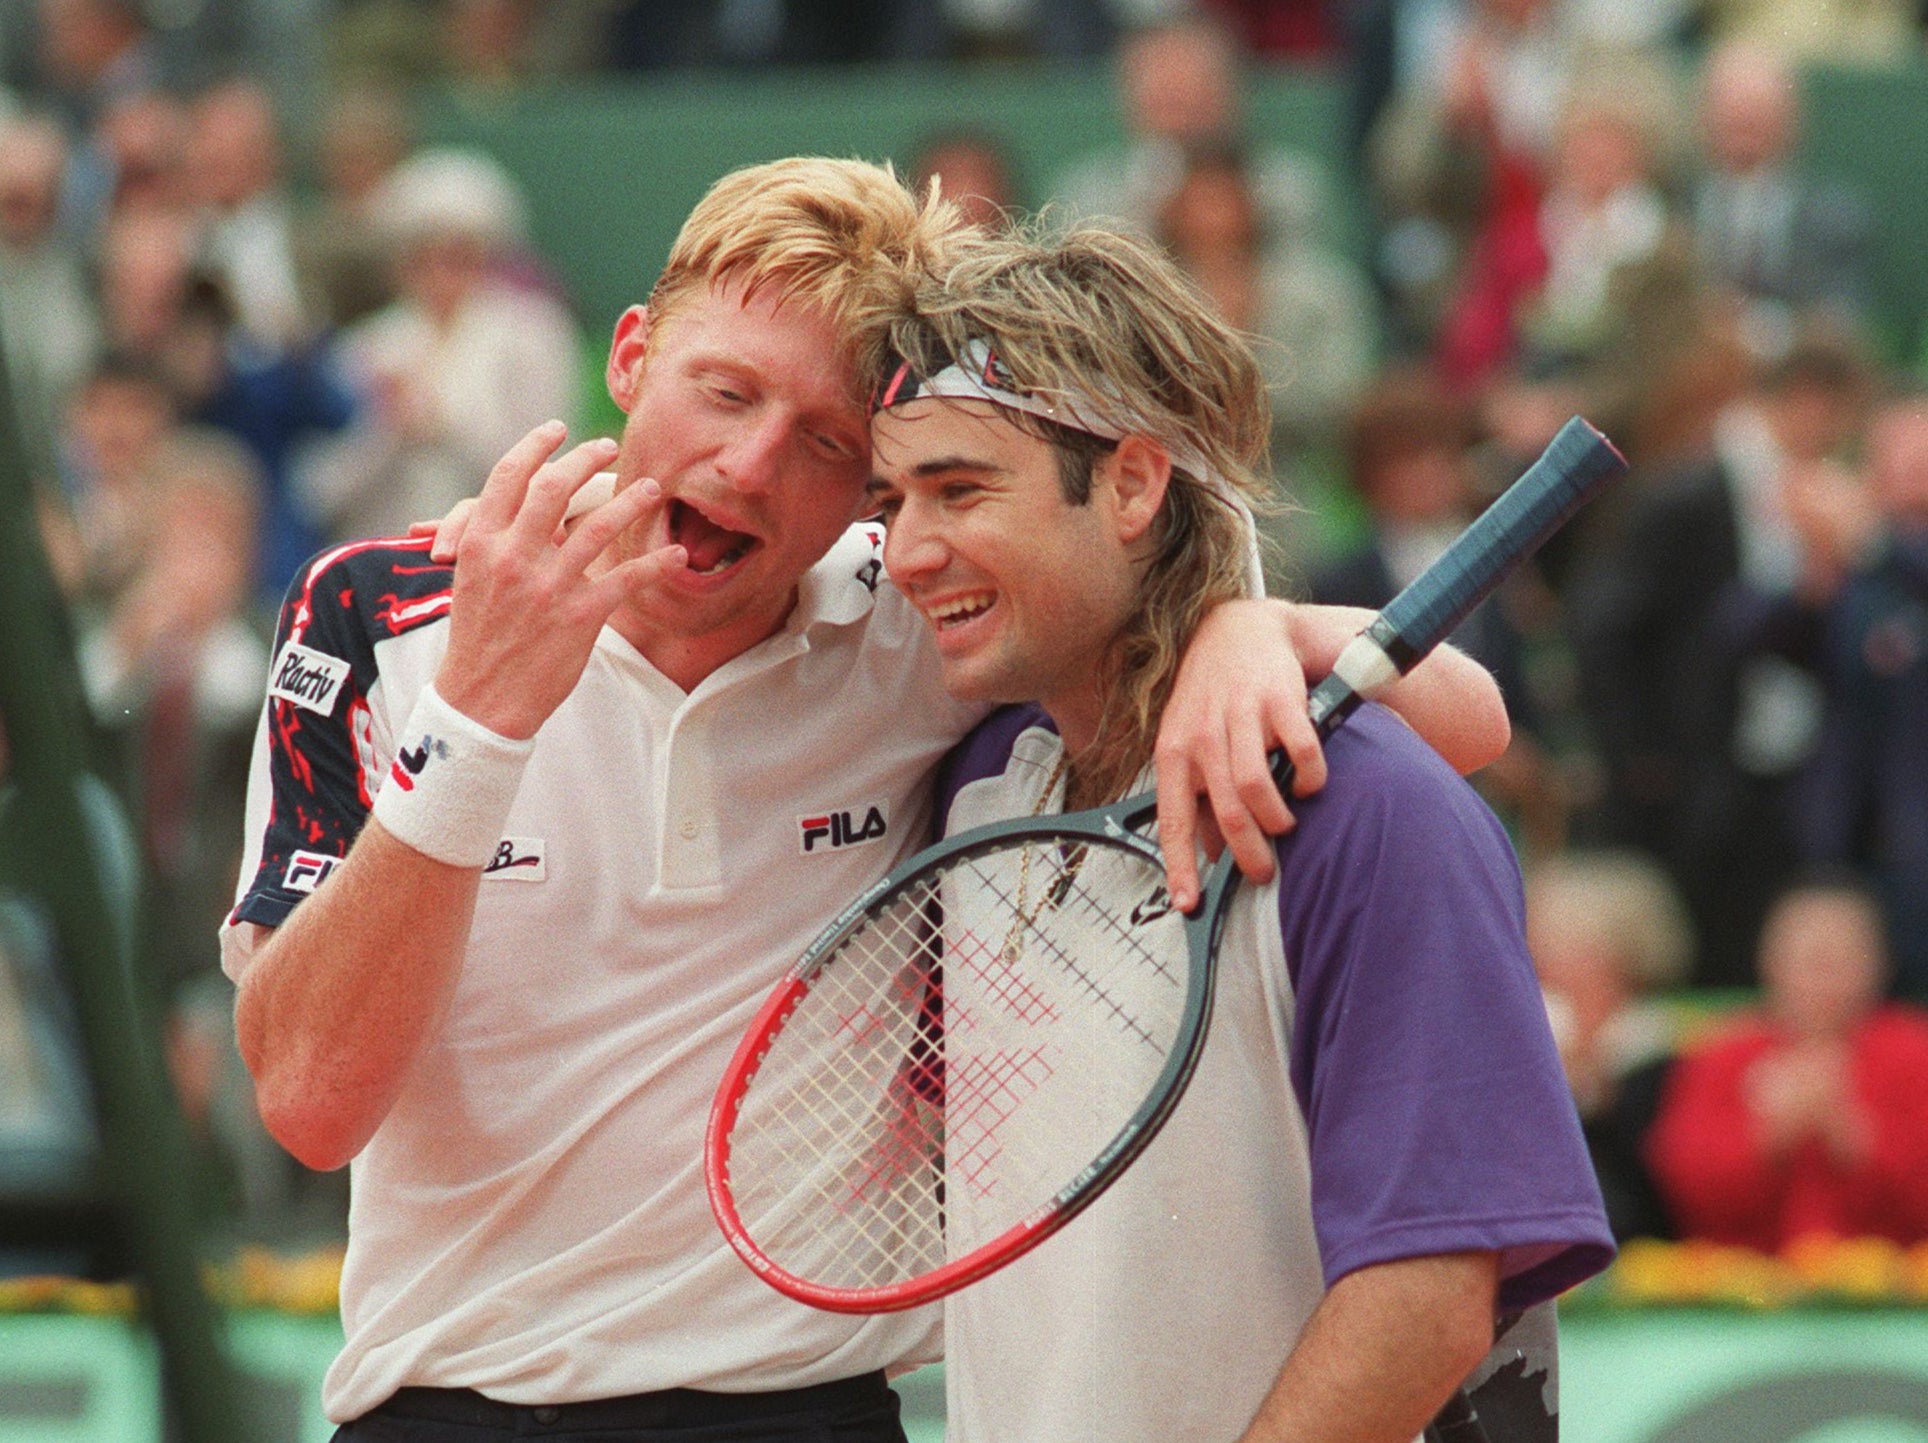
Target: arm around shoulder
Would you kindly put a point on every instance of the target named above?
(1449, 698)
(1241, 692)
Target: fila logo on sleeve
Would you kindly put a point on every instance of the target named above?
(310, 679)
(308, 870)
(829, 831)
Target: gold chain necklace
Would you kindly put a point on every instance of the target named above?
(1026, 914)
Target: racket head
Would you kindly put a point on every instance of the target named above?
(961, 1063)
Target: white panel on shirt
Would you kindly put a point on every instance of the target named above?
(1164, 1313)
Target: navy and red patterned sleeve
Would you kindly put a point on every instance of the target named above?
(318, 732)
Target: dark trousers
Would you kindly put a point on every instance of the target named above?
(853, 1410)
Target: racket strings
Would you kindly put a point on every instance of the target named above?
(836, 1152)
(934, 1087)
(1081, 1021)
(1116, 931)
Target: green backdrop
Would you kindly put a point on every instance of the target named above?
(611, 168)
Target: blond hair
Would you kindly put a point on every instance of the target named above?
(844, 236)
(1622, 903)
(1106, 323)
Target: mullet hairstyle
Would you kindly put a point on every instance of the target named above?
(844, 236)
(1105, 322)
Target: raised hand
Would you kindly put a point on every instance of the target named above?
(446, 531)
(529, 600)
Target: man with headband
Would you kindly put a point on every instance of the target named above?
(1377, 1164)
(531, 840)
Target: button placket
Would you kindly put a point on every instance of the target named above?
(690, 850)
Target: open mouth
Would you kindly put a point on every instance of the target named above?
(959, 610)
(713, 548)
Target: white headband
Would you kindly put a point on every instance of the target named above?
(978, 375)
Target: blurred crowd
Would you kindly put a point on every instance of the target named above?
(245, 314)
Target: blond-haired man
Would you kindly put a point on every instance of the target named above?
(1377, 1159)
(531, 841)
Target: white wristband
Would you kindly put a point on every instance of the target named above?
(449, 792)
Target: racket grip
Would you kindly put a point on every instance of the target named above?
(1576, 464)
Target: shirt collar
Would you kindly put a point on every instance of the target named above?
(841, 589)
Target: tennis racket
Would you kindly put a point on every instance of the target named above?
(977, 1046)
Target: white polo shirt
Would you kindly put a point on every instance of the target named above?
(530, 1218)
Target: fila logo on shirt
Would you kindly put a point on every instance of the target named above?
(310, 679)
(829, 831)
